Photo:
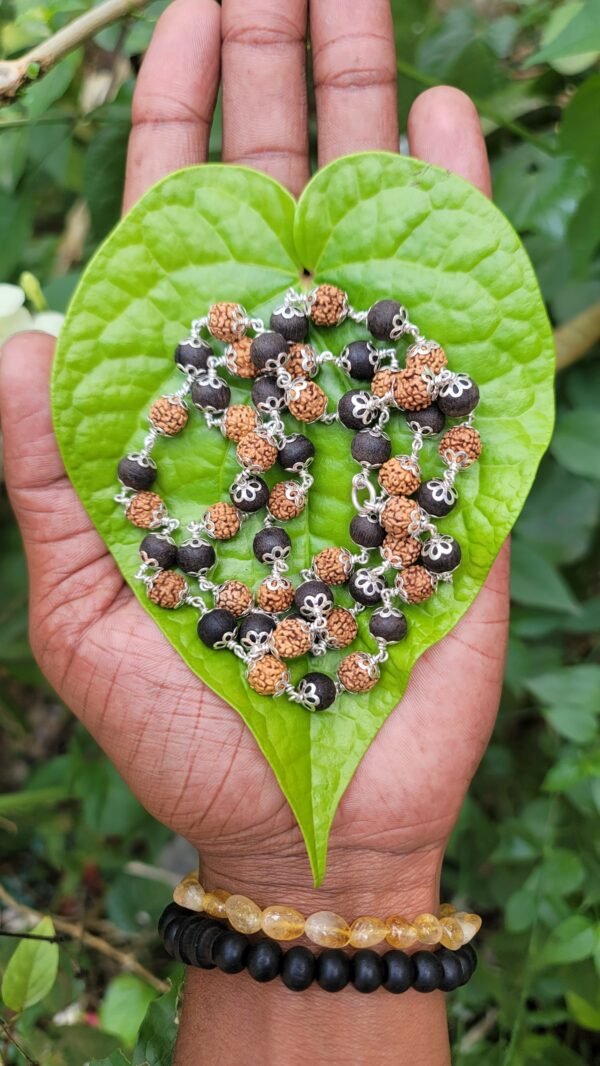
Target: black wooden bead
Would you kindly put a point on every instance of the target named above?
(230, 951)
(172, 934)
(428, 971)
(293, 324)
(195, 557)
(430, 420)
(189, 937)
(249, 494)
(365, 587)
(398, 971)
(158, 549)
(360, 359)
(436, 497)
(255, 628)
(298, 968)
(389, 625)
(371, 447)
(469, 952)
(137, 474)
(264, 960)
(193, 356)
(318, 691)
(367, 970)
(384, 320)
(458, 396)
(452, 971)
(366, 531)
(211, 394)
(271, 544)
(172, 910)
(267, 396)
(296, 452)
(441, 555)
(268, 351)
(333, 970)
(355, 409)
(215, 626)
(204, 944)
(313, 598)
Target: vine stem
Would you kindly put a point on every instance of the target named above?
(76, 931)
(16, 73)
(575, 338)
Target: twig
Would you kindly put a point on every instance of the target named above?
(11, 1039)
(34, 936)
(16, 73)
(575, 338)
(77, 932)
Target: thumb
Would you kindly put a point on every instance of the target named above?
(65, 555)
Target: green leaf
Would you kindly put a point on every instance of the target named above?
(536, 583)
(104, 175)
(575, 442)
(32, 969)
(580, 37)
(32, 802)
(158, 1032)
(579, 117)
(372, 223)
(124, 1005)
(571, 940)
(583, 1012)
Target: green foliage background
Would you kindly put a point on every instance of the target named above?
(526, 853)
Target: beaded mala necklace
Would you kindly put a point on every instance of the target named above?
(396, 521)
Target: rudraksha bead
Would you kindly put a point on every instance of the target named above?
(296, 452)
(256, 452)
(415, 584)
(234, 596)
(412, 389)
(137, 472)
(341, 628)
(441, 555)
(318, 691)
(399, 476)
(400, 516)
(158, 549)
(461, 444)
(222, 521)
(239, 360)
(383, 383)
(329, 306)
(388, 625)
(217, 628)
(193, 355)
(385, 320)
(399, 550)
(306, 400)
(291, 323)
(427, 354)
(302, 361)
(291, 638)
(275, 594)
(371, 447)
(286, 500)
(358, 673)
(333, 565)
(168, 415)
(227, 321)
(268, 351)
(168, 589)
(268, 676)
(239, 420)
(146, 510)
(360, 359)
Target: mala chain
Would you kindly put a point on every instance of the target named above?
(395, 519)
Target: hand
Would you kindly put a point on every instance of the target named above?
(185, 753)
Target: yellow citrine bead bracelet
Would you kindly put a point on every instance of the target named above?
(450, 927)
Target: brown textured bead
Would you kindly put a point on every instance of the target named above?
(146, 510)
(330, 306)
(268, 676)
(357, 672)
(222, 521)
(256, 452)
(399, 477)
(400, 550)
(234, 596)
(399, 515)
(227, 321)
(239, 420)
(291, 638)
(302, 362)
(412, 390)
(383, 382)
(306, 400)
(239, 360)
(461, 444)
(275, 594)
(286, 500)
(415, 584)
(168, 589)
(427, 354)
(341, 628)
(333, 565)
(168, 415)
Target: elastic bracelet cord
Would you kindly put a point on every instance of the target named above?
(206, 943)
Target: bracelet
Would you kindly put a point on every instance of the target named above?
(207, 943)
(451, 929)
(395, 521)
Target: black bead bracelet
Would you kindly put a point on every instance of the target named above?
(204, 942)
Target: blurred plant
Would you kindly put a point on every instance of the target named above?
(77, 846)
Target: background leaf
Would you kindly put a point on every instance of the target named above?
(32, 969)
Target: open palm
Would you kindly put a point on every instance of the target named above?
(184, 752)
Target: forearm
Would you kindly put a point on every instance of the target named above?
(232, 1020)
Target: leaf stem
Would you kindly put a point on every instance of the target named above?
(575, 338)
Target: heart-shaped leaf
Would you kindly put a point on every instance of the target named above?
(377, 225)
